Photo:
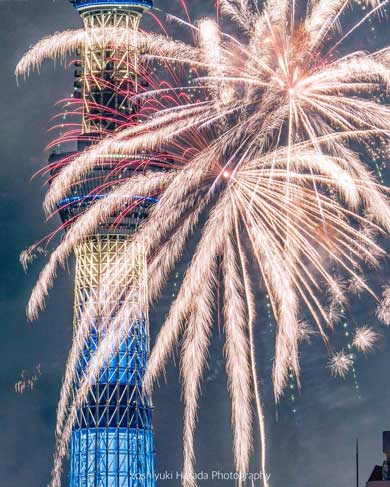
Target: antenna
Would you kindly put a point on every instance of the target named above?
(357, 462)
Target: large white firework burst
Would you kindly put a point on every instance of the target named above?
(279, 174)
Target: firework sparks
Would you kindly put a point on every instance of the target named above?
(60, 45)
(384, 308)
(365, 339)
(340, 364)
(28, 380)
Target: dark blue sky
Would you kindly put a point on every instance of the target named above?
(313, 447)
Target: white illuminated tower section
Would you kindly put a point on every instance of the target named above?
(112, 440)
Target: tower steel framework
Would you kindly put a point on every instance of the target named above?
(112, 441)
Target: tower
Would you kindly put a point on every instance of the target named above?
(112, 440)
(380, 476)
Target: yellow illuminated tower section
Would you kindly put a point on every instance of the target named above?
(108, 73)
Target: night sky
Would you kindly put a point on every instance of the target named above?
(311, 447)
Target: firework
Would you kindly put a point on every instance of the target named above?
(280, 121)
(383, 311)
(340, 364)
(365, 339)
(60, 45)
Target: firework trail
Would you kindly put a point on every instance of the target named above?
(60, 45)
(285, 123)
(238, 356)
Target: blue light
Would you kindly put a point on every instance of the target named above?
(112, 443)
(128, 365)
(125, 458)
(87, 199)
(139, 4)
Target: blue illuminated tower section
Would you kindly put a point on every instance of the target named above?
(112, 440)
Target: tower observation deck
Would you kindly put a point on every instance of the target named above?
(112, 441)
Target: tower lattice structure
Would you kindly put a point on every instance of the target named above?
(112, 442)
